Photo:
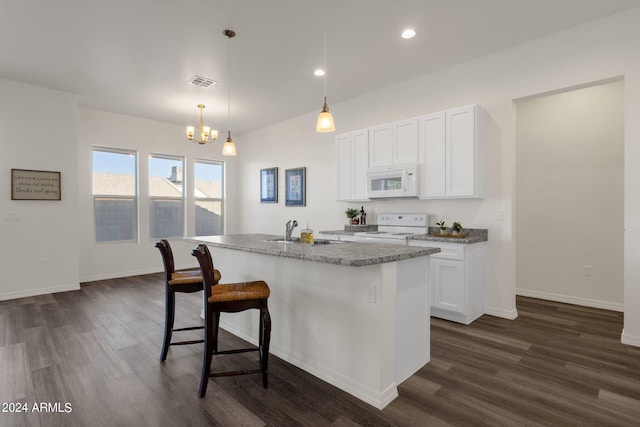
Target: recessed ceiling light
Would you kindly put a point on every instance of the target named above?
(318, 73)
(408, 33)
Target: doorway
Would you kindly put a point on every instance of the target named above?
(569, 220)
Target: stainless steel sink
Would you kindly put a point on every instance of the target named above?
(297, 240)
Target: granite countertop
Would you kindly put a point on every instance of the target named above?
(475, 235)
(339, 253)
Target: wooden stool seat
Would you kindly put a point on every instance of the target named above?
(239, 291)
(231, 298)
(190, 276)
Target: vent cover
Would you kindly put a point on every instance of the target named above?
(202, 81)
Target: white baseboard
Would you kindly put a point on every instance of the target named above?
(377, 399)
(630, 339)
(606, 305)
(40, 291)
(501, 312)
(119, 274)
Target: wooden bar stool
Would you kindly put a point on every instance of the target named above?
(187, 281)
(231, 298)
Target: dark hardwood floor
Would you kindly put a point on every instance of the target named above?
(91, 356)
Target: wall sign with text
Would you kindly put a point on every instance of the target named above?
(35, 185)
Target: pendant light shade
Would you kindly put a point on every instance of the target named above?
(325, 120)
(229, 148)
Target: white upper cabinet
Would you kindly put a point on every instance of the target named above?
(352, 163)
(452, 153)
(432, 155)
(393, 143)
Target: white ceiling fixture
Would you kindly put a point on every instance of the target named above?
(318, 73)
(409, 33)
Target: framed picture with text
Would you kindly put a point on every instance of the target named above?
(35, 185)
(269, 185)
(295, 187)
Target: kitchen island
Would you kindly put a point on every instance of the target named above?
(355, 315)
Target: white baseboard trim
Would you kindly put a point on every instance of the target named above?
(587, 302)
(40, 291)
(119, 274)
(501, 312)
(376, 399)
(630, 339)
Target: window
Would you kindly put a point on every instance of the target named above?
(209, 197)
(166, 196)
(115, 198)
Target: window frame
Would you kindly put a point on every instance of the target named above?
(182, 198)
(222, 198)
(135, 198)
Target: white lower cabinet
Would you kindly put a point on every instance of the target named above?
(456, 278)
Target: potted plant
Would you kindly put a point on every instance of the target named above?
(442, 226)
(456, 228)
(352, 214)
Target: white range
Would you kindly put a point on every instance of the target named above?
(393, 228)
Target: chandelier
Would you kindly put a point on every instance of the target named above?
(206, 133)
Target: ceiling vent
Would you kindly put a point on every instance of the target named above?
(202, 81)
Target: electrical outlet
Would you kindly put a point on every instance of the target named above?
(45, 262)
(588, 270)
(499, 215)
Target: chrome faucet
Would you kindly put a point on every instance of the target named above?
(289, 226)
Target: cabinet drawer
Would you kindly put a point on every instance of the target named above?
(454, 251)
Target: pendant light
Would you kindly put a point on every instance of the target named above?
(325, 121)
(229, 148)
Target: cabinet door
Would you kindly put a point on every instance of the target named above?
(447, 285)
(380, 146)
(360, 164)
(432, 155)
(461, 151)
(405, 141)
(343, 161)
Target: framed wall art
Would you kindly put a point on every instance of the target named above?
(295, 187)
(269, 185)
(35, 185)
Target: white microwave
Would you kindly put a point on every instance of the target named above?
(393, 181)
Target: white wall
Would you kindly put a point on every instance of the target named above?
(99, 128)
(570, 207)
(597, 51)
(38, 131)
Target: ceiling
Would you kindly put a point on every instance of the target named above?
(135, 56)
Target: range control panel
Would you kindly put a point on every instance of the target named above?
(403, 220)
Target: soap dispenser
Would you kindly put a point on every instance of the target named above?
(306, 235)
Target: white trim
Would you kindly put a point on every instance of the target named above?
(39, 291)
(120, 274)
(587, 302)
(501, 312)
(630, 339)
